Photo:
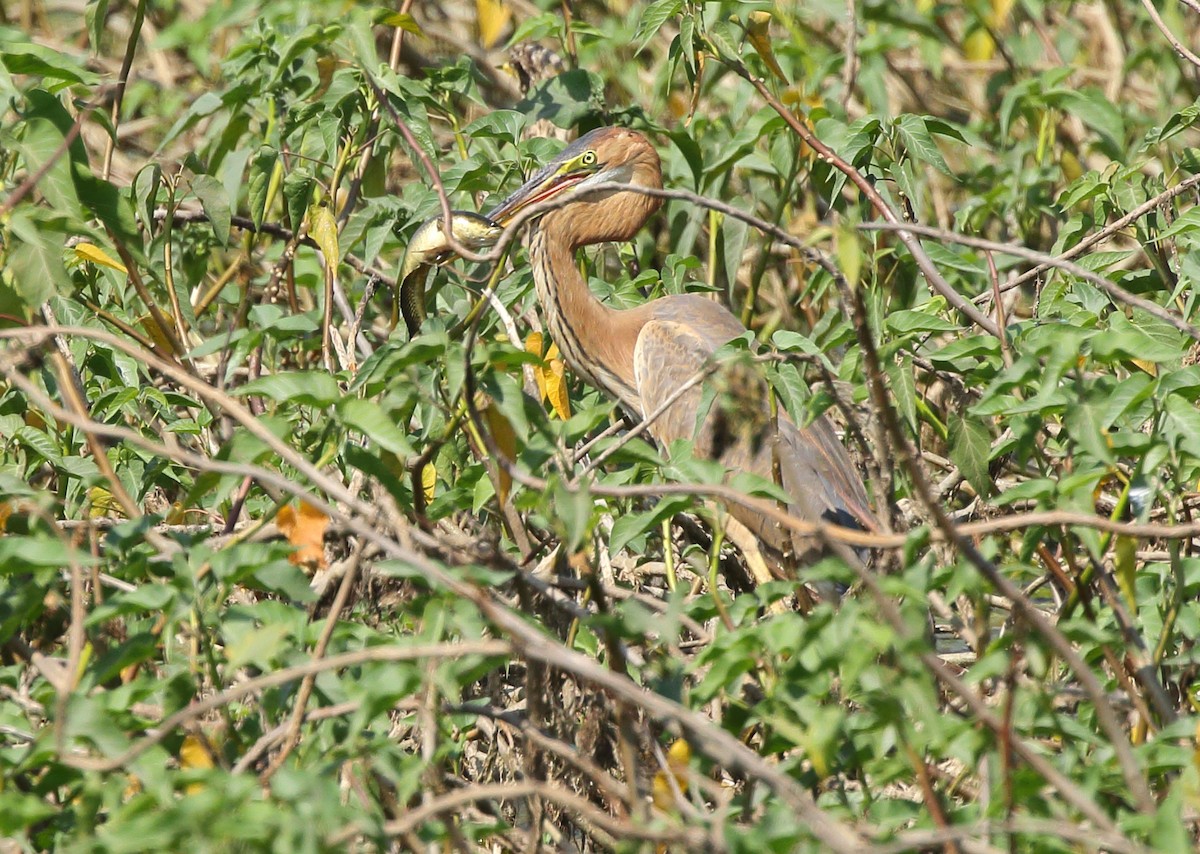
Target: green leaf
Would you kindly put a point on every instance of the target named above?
(212, 196)
(368, 417)
(1083, 420)
(41, 61)
(907, 321)
(261, 173)
(298, 193)
(35, 261)
(627, 527)
(920, 144)
(652, 20)
(23, 553)
(904, 390)
(504, 125)
(312, 388)
(970, 448)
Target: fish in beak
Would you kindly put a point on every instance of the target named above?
(429, 248)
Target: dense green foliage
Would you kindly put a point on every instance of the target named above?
(473, 660)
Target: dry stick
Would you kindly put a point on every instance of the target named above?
(135, 30)
(719, 745)
(1103, 234)
(980, 710)
(200, 708)
(273, 735)
(644, 425)
(306, 686)
(276, 230)
(1113, 290)
(850, 54)
(609, 788)
(1022, 605)
(1089, 838)
(1179, 46)
(73, 397)
(831, 833)
(583, 811)
(850, 536)
(906, 235)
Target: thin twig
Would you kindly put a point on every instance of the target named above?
(1111, 288)
(1180, 47)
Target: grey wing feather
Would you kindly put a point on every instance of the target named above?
(813, 467)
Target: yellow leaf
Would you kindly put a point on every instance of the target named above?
(326, 65)
(403, 21)
(1000, 12)
(533, 344)
(155, 333)
(428, 481)
(758, 29)
(978, 46)
(323, 229)
(1149, 367)
(103, 503)
(555, 378)
(6, 510)
(1126, 566)
(678, 756)
(493, 18)
(849, 253)
(304, 529)
(506, 441)
(1071, 167)
(192, 753)
(93, 253)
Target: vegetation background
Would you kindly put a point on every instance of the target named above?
(262, 586)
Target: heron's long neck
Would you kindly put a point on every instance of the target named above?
(595, 340)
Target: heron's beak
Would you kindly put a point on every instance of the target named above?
(545, 184)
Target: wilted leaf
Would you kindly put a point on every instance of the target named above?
(305, 529)
(94, 254)
(429, 481)
(494, 16)
(555, 374)
(758, 26)
(679, 754)
(506, 441)
(323, 229)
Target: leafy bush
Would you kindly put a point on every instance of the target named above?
(268, 581)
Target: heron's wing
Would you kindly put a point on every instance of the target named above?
(667, 356)
(738, 430)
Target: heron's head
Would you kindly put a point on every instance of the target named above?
(606, 155)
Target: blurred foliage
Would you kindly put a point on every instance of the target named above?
(249, 172)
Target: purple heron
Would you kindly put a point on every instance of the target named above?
(642, 356)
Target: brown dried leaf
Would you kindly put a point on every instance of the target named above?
(304, 529)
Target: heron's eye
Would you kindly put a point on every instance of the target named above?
(588, 158)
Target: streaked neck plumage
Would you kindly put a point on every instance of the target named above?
(596, 341)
